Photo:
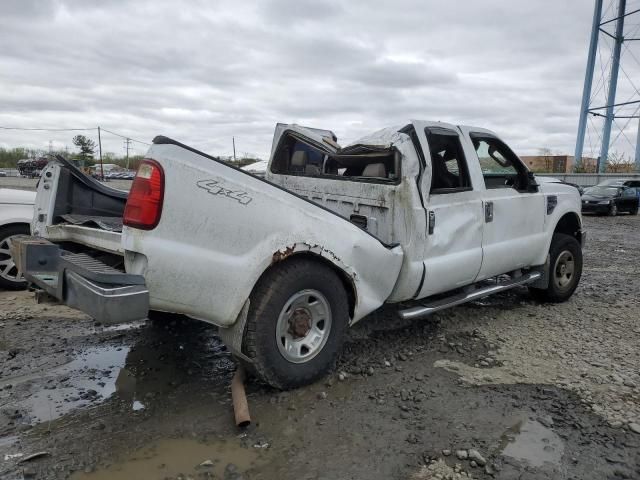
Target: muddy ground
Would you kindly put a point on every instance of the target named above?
(503, 388)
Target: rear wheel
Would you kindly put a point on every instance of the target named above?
(297, 319)
(10, 279)
(565, 269)
(634, 210)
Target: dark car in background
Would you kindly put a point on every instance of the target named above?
(610, 199)
(620, 182)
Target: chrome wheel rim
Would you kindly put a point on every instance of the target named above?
(564, 270)
(8, 269)
(303, 326)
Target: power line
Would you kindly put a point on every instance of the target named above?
(72, 130)
(125, 137)
(49, 129)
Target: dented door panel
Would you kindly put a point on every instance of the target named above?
(453, 247)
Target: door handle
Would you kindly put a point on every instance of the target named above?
(432, 221)
(488, 212)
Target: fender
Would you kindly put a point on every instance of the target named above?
(564, 207)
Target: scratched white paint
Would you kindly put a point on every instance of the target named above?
(220, 229)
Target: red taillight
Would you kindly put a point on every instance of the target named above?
(144, 204)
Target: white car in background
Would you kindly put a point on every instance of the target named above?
(16, 214)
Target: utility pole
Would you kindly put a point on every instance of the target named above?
(637, 169)
(127, 143)
(100, 153)
(588, 81)
(233, 139)
(50, 146)
(613, 85)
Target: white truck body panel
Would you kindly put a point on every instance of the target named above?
(206, 265)
(16, 206)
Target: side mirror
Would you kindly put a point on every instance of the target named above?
(532, 184)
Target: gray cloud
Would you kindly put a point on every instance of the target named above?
(205, 71)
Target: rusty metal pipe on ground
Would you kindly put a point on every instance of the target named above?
(239, 397)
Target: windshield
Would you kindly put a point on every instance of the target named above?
(604, 191)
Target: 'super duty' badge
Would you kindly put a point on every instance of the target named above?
(216, 187)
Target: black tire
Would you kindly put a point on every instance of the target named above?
(634, 210)
(6, 281)
(555, 292)
(267, 301)
(613, 210)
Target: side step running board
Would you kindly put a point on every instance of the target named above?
(460, 298)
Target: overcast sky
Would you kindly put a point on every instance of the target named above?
(202, 72)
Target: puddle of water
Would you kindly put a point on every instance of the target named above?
(532, 442)
(8, 441)
(93, 370)
(136, 374)
(172, 457)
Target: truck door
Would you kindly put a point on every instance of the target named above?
(514, 209)
(453, 250)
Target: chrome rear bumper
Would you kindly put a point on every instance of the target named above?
(82, 282)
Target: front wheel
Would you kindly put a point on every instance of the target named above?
(613, 210)
(565, 270)
(10, 278)
(297, 319)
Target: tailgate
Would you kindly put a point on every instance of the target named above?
(73, 207)
(77, 228)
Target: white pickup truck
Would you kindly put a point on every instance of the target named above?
(426, 216)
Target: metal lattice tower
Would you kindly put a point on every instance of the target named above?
(615, 49)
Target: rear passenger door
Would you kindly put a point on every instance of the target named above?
(453, 250)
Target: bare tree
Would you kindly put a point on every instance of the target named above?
(618, 163)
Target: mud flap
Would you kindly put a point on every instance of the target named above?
(233, 335)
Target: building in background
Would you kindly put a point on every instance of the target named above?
(557, 163)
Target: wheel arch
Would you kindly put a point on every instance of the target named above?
(570, 224)
(14, 223)
(322, 257)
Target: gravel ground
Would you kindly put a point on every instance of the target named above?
(503, 388)
(590, 345)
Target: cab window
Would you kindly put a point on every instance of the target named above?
(501, 168)
(449, 172)
(296, 157)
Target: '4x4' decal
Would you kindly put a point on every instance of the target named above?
(215, 187)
